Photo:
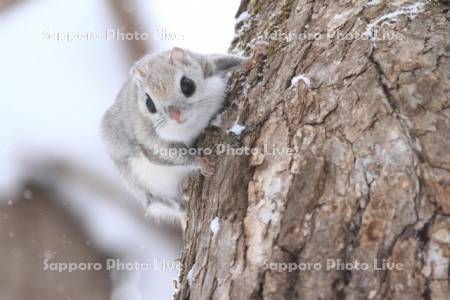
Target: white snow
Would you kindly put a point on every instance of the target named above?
(190, 276)
(301, 77)
(411, 11)
(215, 225)
(373, 2)
(237, 129)
(242, 17)
(342, 16)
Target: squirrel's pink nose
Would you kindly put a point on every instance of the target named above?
(175, 114)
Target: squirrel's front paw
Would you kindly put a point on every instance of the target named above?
(206, 167)
(260, 49)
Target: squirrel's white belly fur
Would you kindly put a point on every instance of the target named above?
(163, 181)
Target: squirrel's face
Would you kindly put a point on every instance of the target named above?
(173, 90)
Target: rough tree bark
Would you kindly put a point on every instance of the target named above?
(369, 176)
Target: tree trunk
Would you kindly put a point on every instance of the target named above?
(360, 207)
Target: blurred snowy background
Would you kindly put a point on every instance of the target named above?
(60, 197)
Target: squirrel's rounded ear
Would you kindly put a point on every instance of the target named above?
(137, 73)
(178, 55)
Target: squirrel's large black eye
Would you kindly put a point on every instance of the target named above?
(150, 105)
(187, 86)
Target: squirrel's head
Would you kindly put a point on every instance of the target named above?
(174, 89)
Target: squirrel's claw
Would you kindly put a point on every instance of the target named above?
(260, 50)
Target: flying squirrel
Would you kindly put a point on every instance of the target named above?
(168, 99)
